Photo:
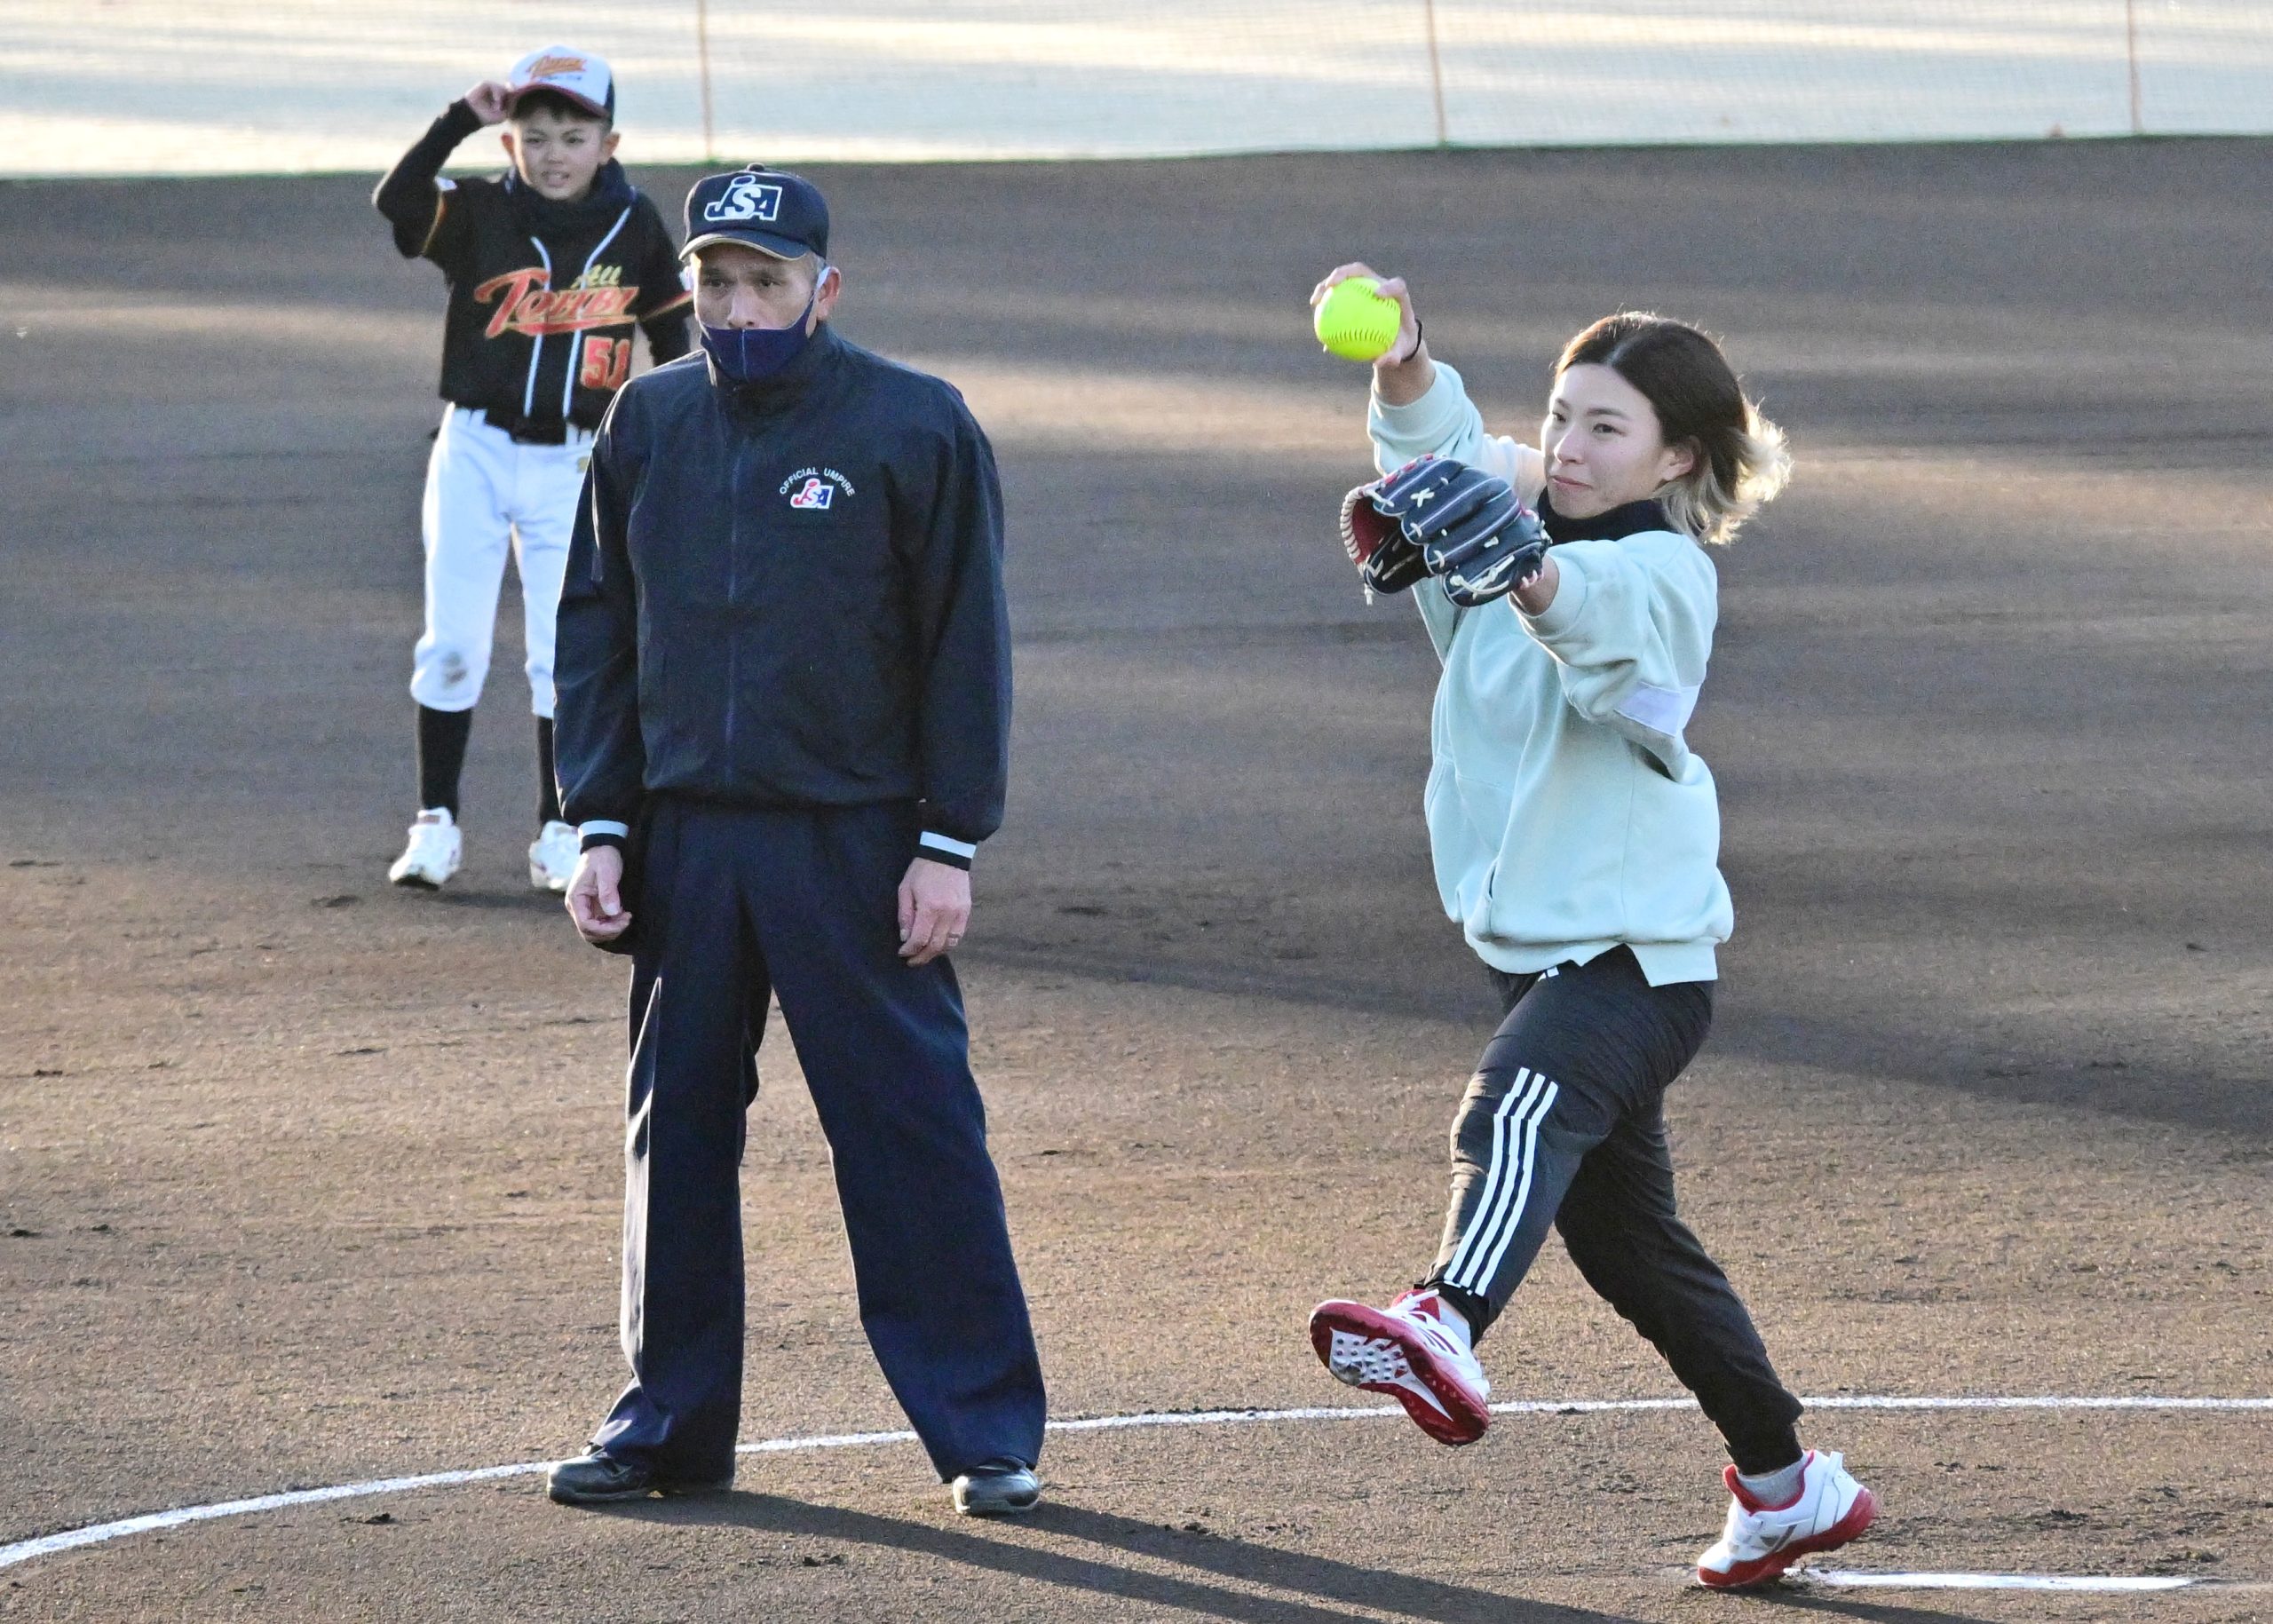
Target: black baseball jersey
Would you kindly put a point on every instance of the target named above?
(543, 295)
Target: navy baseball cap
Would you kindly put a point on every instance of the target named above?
(772, 210)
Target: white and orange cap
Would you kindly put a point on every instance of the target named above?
(578, 75)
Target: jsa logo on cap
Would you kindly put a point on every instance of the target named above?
(749, 198)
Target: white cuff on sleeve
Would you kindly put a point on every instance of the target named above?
(945, 849)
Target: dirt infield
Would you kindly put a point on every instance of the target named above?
(305, 1182)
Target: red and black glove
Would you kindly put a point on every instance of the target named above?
(1435, 517)
(1387, 561)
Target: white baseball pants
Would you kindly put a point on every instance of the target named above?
(487, 494)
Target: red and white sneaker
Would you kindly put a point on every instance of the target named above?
(1415, 1350)
(1761, 1541)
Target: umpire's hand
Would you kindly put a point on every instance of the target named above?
(934, 910)
(595, 895)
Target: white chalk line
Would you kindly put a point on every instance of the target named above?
(153, 1522)
(2014, 1581)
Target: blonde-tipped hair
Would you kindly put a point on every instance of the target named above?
(1700, 504)
(1741, 460)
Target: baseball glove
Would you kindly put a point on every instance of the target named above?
(1386, 562)
(1436, 516)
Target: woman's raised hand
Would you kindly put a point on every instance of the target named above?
(1403, 373)
(1408, 327)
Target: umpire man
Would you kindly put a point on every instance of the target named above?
(784, 676)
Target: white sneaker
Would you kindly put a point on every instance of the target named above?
(432, 857)
(1416, 1351)
(1761, 1541)
(552, 856)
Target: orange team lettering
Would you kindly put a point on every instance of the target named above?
(527, 304)
(607, 363)
(545, 67)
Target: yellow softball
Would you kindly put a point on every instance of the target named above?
(1356, 322)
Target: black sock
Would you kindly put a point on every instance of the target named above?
(1477, 1310)
(547, 787)
(441, 756)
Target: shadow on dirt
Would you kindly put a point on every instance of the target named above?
(1328, 1581)
(1873, 1613)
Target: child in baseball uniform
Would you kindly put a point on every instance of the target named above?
(552, 266)
(1569, 592)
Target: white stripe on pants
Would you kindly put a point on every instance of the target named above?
(1506, 1186)
(487, 495)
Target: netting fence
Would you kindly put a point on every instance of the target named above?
(165, 86)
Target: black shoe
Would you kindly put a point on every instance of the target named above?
(999, 1488)
(597, 1477)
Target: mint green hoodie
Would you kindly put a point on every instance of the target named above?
(1567, 814)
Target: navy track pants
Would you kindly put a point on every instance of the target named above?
(736, 903)
(1564, 1125)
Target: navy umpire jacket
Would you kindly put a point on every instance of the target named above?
(788, 593)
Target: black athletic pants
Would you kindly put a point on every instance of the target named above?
(1564, 1123)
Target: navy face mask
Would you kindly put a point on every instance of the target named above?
(748, 354)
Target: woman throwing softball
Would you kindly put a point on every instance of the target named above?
(1576, 839)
